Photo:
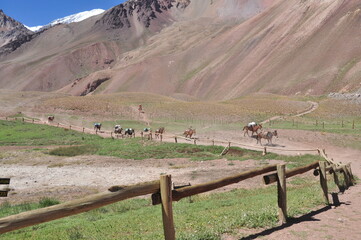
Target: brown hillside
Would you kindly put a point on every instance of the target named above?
(219, 49)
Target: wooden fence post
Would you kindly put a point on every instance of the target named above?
(167, 211)
(281, 193)
(58, 125)
(323, 181)
(346, 177)
(83, 130)
(323, 125)
(70, 127)
(195, 141)
(141, 134)
(175, 139)
(335, 178)
(264, 151)
(33, 120)
(161, 137)
(353, 124)
(348, 166)
(213, 142)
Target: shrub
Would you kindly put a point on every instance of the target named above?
(46, 202)
(74, 150)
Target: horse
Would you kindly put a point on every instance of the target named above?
(97, 126)
(269, 135)
(129, 131)
(50, 118)
(189, 132)
(253, 129)
(118, 129)
(158, 132)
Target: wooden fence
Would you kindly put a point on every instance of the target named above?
(163, 194)
(316, 124)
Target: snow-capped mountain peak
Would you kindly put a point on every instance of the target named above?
(69, 19)
(77, 17)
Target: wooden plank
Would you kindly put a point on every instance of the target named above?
(281, 193)
(167, 210)
(323, 181)
(37, 216)
(224, 152)
(4, 181)
(201, 188)
(271, 178)
(324, 155)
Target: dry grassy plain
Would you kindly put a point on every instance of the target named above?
(123, 106)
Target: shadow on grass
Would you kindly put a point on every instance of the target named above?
(310, 217)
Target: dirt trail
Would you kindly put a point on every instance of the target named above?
(141, 115)
(313, 107)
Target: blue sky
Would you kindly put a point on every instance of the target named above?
(41, 12)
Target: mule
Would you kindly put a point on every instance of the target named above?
(147, 130)
(268, 135)
(253, 129)
(158, 132)
(129, 132)
(118, 129)
(189, 132)
(97, 126)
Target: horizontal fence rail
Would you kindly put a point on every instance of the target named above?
(271, 178)
(47, 214)
(188, 191)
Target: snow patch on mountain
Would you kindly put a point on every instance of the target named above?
(34, 29)
(78, 17)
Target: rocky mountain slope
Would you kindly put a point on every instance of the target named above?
(208, 49)
(11, 30)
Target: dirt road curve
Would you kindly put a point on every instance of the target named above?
(313, 107)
